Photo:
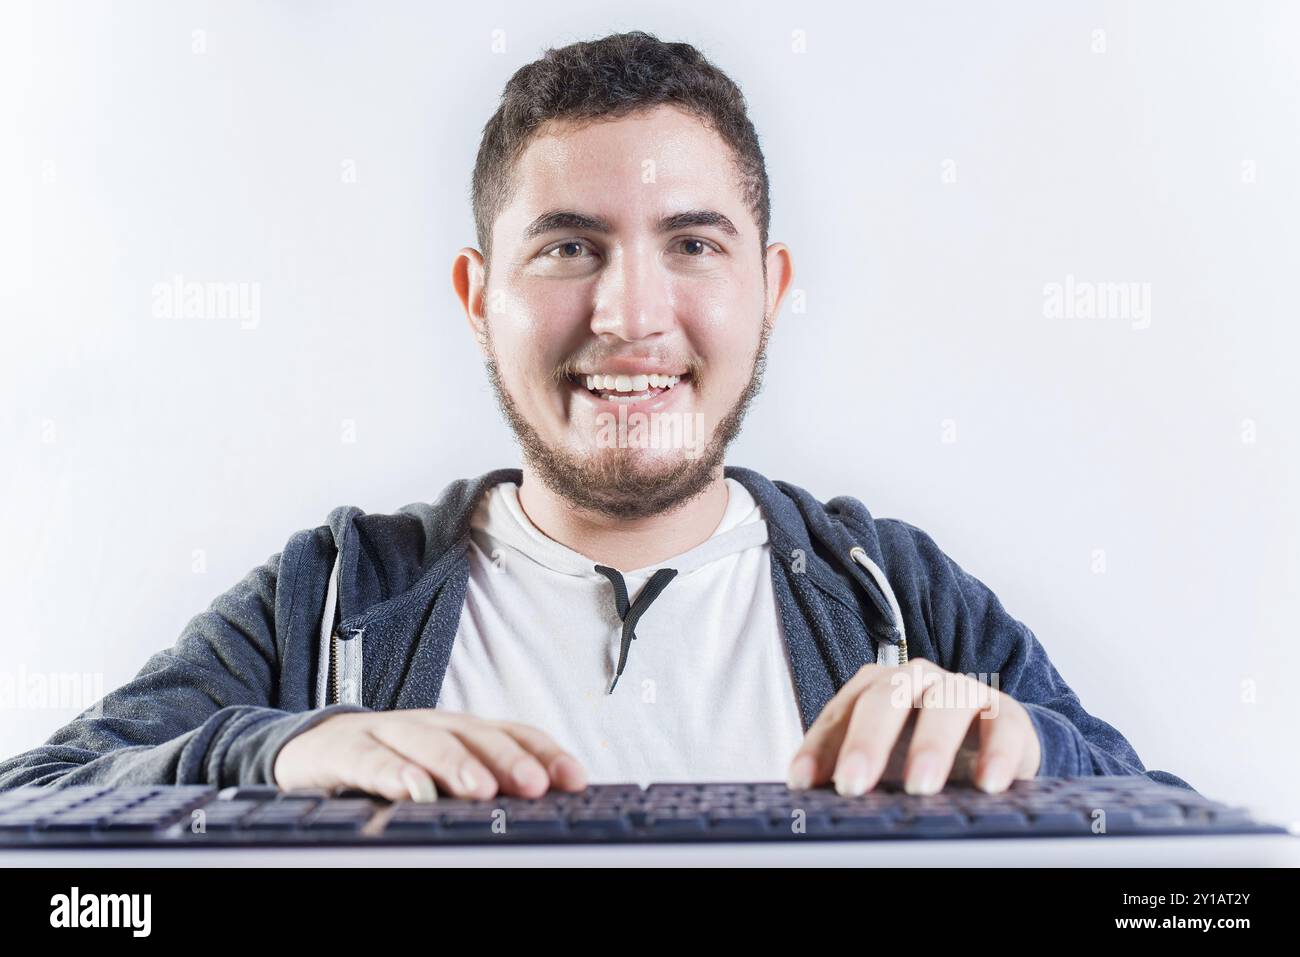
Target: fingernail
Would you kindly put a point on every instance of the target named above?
(851, 775)
(568, 768)
(801, 773)
(996, 776)
(468, 780)
(558, 769)
(923, 777)
(419, 786)
(528, 774)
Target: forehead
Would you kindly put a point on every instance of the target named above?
(632, 167)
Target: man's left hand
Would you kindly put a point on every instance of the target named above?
(852, 740)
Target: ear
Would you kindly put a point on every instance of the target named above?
(780, 273)
(469, 282)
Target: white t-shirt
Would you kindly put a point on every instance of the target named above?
(706, 694)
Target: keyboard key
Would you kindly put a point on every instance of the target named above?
(474, 825)
(409, 820)
(596, 817)
(72, 822)
(605, 829)
(677, 824)
(1117, 819)
(863, 819)
(999, 821)
(271, 819)
(1059, 821)
(263, 792)
(936, 820)
(340, 819)
(743, 823)
(537, 826)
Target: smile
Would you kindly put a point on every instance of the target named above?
(625, 388)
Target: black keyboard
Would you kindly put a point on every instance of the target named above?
(185, 816)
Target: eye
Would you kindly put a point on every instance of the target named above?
(569, 249)
(694, 248)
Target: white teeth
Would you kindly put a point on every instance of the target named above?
(629, 383)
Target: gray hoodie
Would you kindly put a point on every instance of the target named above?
(246, 675)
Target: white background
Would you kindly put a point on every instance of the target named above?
(129, 443)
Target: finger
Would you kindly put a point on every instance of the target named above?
(880, 729)
(1002, 746)
(564, 770)
(441, 754)
(813, 763)
(516, 771)
(369, 765)
(873, 727)
(937, 736)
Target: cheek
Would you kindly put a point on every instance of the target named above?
(723, 329)
(535, 332)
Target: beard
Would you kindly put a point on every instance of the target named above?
(612, 481)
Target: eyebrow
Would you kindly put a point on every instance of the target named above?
(569, 219)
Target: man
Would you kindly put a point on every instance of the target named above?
(624, 607)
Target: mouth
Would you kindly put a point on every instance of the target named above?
(627, 389)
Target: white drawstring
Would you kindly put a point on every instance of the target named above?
(887, 653)
(327, 634)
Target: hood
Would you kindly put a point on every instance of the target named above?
(391, 562)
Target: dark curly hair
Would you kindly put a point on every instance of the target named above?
(613, 77)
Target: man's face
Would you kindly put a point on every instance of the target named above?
(626, 249)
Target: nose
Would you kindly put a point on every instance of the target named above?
(632, 297)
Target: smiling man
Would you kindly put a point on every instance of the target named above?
(617, 609)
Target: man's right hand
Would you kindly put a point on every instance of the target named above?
(418, 753)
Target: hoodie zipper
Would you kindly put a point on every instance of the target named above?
(345, 667)
(340, 655)
(859, 554)
(334, 669)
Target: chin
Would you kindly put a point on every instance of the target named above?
(641, 462)
(626, 483)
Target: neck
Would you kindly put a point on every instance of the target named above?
(621, 543)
